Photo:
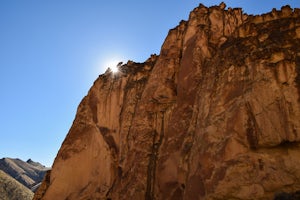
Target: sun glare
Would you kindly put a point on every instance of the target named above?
(113, 65)
(114, 69)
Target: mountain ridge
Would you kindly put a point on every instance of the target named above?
(11, 189)
(28, 173)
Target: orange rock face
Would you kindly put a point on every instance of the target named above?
(215, 116)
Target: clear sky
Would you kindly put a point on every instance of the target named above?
(51, 52)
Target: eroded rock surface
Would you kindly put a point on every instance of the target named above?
(215, 116)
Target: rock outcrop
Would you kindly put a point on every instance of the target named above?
(215, 116)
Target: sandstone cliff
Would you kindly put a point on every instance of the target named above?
(215, 116)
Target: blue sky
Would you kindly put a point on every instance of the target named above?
(52, 51)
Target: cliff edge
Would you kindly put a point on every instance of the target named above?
(215, 116)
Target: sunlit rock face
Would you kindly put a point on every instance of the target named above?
(215, 116)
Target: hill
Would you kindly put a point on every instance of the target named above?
(29, 173)
(10, 189)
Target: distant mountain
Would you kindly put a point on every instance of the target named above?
(10, 189)
(28, 173)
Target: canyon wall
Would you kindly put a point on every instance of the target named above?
(215, 116)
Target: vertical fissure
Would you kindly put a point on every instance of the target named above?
(297, 79)
(156, 143)
(252, 128)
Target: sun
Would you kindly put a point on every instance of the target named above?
(114, 69)
(113, 65)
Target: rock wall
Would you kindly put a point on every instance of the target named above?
(215, 116)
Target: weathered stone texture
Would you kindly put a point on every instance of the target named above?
(215, 116)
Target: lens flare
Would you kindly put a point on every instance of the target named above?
(113, 65)
(114, 69)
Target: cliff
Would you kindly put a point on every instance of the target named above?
(215, 116)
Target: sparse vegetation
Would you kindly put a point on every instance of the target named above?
(10, 189)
